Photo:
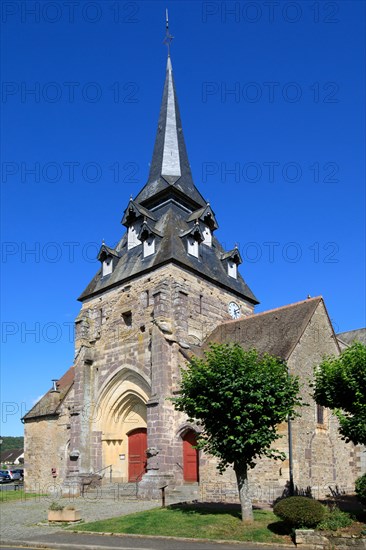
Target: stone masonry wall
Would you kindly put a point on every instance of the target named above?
(115, 331)
(46, 447)
(322, 461)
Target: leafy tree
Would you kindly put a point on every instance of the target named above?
(340, 384)
(238, 397)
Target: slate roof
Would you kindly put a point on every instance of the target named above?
(169, 205)
(276, 331)
(49, 404)
(171, 248)
(157, 183)
(135, 207)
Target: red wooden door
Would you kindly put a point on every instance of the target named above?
(137, 445)
(190, 457)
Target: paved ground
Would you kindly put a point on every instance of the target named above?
(68, 541)
(18, 520)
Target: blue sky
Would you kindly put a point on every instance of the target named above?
(272, 103)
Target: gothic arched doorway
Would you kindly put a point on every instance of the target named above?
(121, 409)
(190, 457)
(137, 445)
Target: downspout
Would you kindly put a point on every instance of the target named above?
(290, 459)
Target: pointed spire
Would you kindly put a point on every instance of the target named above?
(170, 164)
(170, 169)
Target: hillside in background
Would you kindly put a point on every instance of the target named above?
(9, 443)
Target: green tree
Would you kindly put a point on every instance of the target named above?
(340, 384)
(238, 398)
(10, 442)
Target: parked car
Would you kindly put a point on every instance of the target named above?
(13, 474)
(4, 477)
(20, 471)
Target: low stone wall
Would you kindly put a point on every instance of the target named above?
(322, 541)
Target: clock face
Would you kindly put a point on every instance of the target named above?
(234, 310)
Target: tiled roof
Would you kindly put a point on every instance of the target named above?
(276, 331)
(49, 404)
(350, 336)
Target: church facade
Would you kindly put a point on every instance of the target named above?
(163, 293)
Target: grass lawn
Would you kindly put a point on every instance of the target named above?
(11, 496)
(196, 521)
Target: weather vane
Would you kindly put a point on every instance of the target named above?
(168, 37)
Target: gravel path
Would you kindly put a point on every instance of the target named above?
(18, 520)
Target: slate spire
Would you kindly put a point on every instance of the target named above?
(169, 221)
(170, 172)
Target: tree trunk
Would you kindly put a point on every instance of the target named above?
(241, 472)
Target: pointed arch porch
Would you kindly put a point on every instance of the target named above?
(122, 409)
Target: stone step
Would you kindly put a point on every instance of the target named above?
(129, 491)
(113, 491)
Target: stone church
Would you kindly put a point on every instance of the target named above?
(163, 293)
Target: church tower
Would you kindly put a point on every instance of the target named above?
(165, 292)
(165, 286)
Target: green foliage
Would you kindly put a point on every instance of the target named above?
(360, 487)
(300, 511)
(239, 398)
(340, 384)
(55, 506)
(334, 519)
(11, 496)
(10, 443)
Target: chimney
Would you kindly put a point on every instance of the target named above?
(54, 386)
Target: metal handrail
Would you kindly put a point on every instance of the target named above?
(105, 468)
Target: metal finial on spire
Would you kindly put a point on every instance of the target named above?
(168, 37)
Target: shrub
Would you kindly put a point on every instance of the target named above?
(55, 506)
(300, 511)
(334, 519)
(361, 488)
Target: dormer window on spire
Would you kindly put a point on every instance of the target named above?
(132, 219)
(192, 248)
(107, 266)
(194, 238)
(208, 223)
(147, 236)
(108, 258)
(132, 238)
(232, 269)
(232, 260)
(207, 236)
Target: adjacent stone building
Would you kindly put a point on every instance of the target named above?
(163, 293)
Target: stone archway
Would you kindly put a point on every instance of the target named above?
(122, 409)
